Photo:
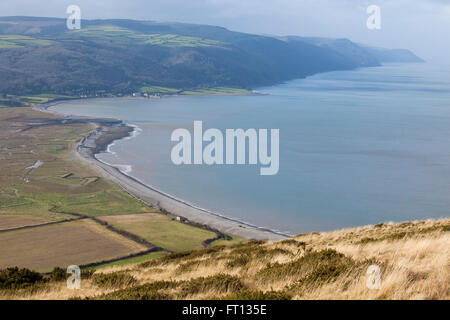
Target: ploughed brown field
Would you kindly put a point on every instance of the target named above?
(64, 244)
(12, 222)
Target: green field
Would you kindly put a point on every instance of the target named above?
(216, 91)
(174, 40)
(162, 231)
(156, 89)
(207, 91)
(29, 101)
(124, 36)
(17, 41)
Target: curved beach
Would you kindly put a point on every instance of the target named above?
(156, 198)
(112, 130)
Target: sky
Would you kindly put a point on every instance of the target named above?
(422, 26)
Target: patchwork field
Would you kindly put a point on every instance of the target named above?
(40, 183)
(12, 41)
(126, 36)
(11, 222)
(9, 100)
(218, 91)
(77, 242)
(38, 177)
(161, 230)
(210, 91)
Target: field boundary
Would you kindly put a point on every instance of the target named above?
(123, 233)
(41, 225)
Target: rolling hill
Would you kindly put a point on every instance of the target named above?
(40, 55)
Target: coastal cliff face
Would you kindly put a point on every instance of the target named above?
(39, 55)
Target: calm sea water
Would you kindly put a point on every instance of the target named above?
(356, 147)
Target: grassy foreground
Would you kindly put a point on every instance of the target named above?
(413, 258)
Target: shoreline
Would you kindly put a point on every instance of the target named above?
(111, 130)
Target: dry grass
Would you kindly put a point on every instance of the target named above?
(413, 257)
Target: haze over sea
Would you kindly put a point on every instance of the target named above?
(356, 147)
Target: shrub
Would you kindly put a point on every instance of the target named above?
(257, 295)
(181, 256)
(149, 291)
(87, 273)
(221, 283)
(15, 278)
(324, 273)
(58, 274)
(113, 280)
(319, 262)
(242, 256)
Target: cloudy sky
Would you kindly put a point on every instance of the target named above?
(420, 25)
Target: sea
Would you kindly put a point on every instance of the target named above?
(357, 147)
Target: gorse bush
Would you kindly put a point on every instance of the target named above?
(58, 274)
(221, 283)
(15, 278)
(179, 256)
(243, 256)
(325, 264)
(149, 291)
(257, 295)
(325, 273)
(113, 280)
(87, 273)
(163, 290)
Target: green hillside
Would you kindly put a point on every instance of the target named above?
(40, 55)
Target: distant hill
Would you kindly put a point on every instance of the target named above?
(393, 55)
(40, 55)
